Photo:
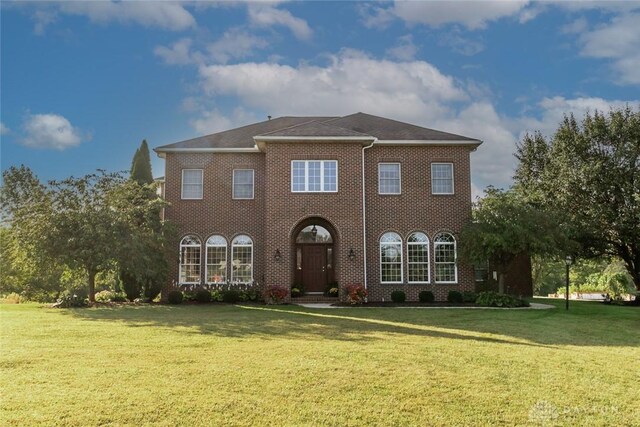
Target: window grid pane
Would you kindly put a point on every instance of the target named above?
(314, 176)
(243, 184)
(442, 178)
(418, 253)
(388, 178)
(390, 262)
(192, 184)
(216, 264)
(242, 268)
(190, 264)
(446, 270)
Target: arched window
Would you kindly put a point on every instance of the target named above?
(314, 234)
(190, 248)
(445, 251)
(390, 258)
(242, 259)
(216, 259)
(418, 258)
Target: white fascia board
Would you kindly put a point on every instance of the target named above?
(428, 142)
(162, 151)
(313, 138)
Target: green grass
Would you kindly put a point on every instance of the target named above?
(234, 365)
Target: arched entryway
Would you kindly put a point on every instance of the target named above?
(314, 255)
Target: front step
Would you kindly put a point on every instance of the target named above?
(314, 299)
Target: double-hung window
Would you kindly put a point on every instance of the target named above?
(192, 183)
(418, 258)
(189, 260)
(388, 178)
(391, 258)
(442, 178)
(216, 259)
(446, 268)
(314, 176)
(242, 259)
(243, 183)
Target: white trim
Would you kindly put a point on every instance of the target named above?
(475, 142)
(453, 179)
(265, 138)
(180, 264)
(201, 185)
(400, 243)
(306, 176)
(364, 217)
(399, 178)
(206, 259)
(455, 257)
(242, 246)
(428, 244)
(253, 149)
(253, 185)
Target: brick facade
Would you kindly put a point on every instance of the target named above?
(276, 214)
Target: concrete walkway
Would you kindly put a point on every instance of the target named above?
(534, 306)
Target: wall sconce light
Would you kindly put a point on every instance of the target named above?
(352, 255)
(277, 256)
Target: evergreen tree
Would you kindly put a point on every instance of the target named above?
(141, 165)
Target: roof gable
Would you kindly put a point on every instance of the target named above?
(358, 126)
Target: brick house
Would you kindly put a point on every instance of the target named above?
(358, 199)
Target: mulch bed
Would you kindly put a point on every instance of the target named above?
(407, 304)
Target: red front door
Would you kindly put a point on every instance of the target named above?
(314, 267)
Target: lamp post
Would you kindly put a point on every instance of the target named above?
(568, 260)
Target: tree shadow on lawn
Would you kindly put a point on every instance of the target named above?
(540, 328)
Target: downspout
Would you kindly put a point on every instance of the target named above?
(364, 216)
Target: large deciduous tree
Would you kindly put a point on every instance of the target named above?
(92, 223)
(505, 226)
(589, 172)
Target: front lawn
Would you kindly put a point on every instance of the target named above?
(287, 365)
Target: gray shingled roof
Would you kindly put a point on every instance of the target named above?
(354, 125)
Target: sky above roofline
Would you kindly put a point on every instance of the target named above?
(84, 82)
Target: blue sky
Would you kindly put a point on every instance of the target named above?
(83, 83)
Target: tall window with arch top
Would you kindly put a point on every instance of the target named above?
(190, 247)
(216, 259)
(418, 258)
(242, 259)
(445, 253)
(390, 258)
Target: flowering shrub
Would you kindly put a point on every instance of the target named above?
(275, 294)
(356, 294)
(105, 296)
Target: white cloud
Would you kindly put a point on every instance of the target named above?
(351, 82)
(179, 53)
(471, 14)
(50, 131)
(552, 111)
(215, 121)
(167, 15)
(618, 40)
(3, 129)
(577, 26)
(235, 43)
(405, 50)
(268, 15)
(463, 45)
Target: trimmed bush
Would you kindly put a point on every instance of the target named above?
(275, 294)
(203, 296)
(295, 292)
(231, 296)
(175, 297)
(426, 296)
(455, 297)
(69, 301)
(119, 298)
(495, 299)
(105, 296)
(398, 296)
(468, 296)
(356, 294)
